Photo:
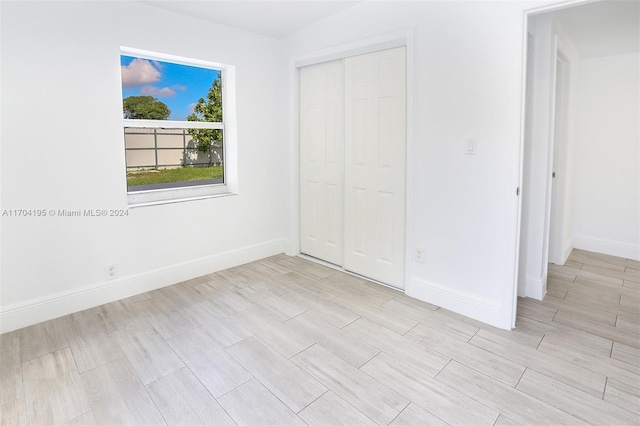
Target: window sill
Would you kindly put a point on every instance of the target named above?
(176, 195)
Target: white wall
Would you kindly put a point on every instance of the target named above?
(606, 156)
(467, 68)
(61, 102)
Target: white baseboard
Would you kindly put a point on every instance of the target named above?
(611, 248)
(457, 301)
(45, 308)
(536, 289)
(568, 247)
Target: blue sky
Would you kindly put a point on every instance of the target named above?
(178, 86)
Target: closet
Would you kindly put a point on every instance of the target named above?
(352, 122)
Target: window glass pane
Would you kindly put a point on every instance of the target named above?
(165, 158)
(157, 90)
(170, 158)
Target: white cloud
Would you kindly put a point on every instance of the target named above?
(192, 106)
(180, 87)
(164, 92)
(138, 72)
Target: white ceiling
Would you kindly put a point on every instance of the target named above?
(602, 28)
(270, 18)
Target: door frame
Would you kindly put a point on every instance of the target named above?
(358, 47)
(548, 197)
(524, 40)
(558, 253)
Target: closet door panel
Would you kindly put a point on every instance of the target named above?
(375, 165)
(322, 161)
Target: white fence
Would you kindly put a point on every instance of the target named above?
(167, 148)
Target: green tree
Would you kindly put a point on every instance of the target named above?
(210, 110)
(145, 107)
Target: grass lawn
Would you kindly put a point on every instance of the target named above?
(182, 174)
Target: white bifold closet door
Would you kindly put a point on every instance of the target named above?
(375, 165)
(322, 161)
(364, 230)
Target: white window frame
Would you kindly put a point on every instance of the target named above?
(228, 125)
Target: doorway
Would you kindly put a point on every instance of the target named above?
(579, 137)
(353, 163)
(544, 147)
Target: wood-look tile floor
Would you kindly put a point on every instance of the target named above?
(287, 341)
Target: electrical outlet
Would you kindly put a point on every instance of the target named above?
(111, 271)
(419, 257)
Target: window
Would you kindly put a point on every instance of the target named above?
(176, 118)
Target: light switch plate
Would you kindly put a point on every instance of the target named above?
(471, 146)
